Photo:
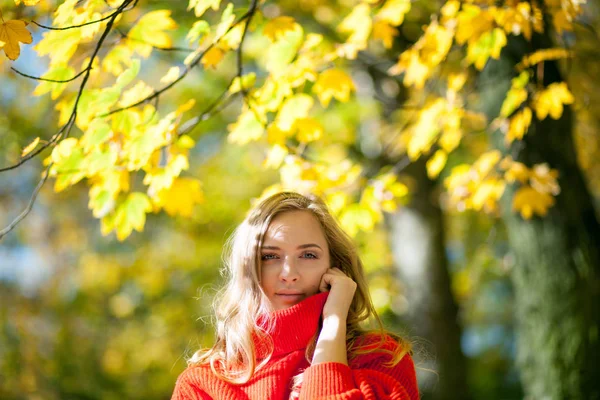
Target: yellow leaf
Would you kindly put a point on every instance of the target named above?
(561, 21)
(333, 83)
(518, 125)
(456, 81)
(436, 163)
(247, 128)
(309, 129)
(551, 100)
(200, 6)
(486, 162)
(393, 11)
(516, 171)
(424, 132)
(119, 57)
(516, 20)
(384, 32)
(490, 44)
(27, 2)
(136, 93)
(57, 73)
(212, 57)
(297, 106)
(150, 31)
(544, 179)
(277, 27)
(59, 45)
(276, 135)
(543, 55)
(472, 22)
(276, 155)
(516, 95)
(170, 76)
(358, 23)
(416, 71)
(450, 139)
(131, 214)
(30, 147)
(11, 33)
(487, 194)
(529, 201)
(181, 197)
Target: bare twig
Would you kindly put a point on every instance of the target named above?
(25, 212)
(37, 78)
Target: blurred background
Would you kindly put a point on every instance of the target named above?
(86, 316)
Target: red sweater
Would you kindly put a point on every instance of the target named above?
(365, 378)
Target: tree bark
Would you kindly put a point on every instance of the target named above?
(417, 242)
(556, 275)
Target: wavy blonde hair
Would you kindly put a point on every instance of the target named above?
(241, 303)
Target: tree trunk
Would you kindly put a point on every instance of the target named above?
(556, 275)
(417, 242)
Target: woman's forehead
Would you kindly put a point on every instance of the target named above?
(295, 226)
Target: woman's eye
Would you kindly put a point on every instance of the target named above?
(310, 255)
(268, 256)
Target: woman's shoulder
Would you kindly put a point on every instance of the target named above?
(196, 374)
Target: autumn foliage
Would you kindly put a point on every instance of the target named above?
(290, 79)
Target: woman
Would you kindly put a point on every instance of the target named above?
(288, 318)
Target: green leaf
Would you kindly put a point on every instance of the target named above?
(131, 214)
(129, 75)
(97, 133)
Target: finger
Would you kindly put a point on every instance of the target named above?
(325, 282)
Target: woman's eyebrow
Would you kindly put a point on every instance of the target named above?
(302, 246)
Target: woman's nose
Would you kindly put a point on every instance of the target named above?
(288, 272)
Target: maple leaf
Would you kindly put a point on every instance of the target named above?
(518, 125)
(246, 129)
(544, 179)
(309, 129)
(358, 23)
(181, 197)
(275, 157)
(130, 215)
(200, 6)
(293, 108)
(212, 57)
(416, 71)
(489, 45)
(529, 201)
(333, 83)
(11, 33)
(515, 171)
(277, 27)
(551, 100)
(27, 2)
(393, 11)
(150, 31)
(385, 32)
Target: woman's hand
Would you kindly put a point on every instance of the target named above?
(341, 292)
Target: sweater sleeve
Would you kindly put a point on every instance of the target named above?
(187, 389)
(372, 380)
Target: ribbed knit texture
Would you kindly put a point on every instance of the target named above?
(365, 379)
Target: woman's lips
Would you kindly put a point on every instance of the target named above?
(290, 298)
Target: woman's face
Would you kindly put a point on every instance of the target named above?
(294, 257)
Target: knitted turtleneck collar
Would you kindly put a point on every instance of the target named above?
(294, 327)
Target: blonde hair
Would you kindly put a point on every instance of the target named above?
(241, 303)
